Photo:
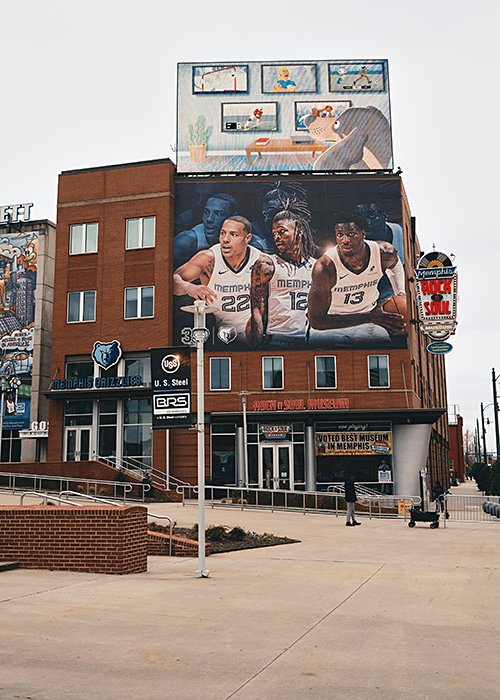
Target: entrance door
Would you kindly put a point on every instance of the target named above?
(276, 466)
(78, 444)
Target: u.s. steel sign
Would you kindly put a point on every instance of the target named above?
(171, 387)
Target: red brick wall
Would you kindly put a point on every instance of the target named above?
(181, 547)
(93, 539)
(109, 196)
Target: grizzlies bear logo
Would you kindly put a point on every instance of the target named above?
(107, 354)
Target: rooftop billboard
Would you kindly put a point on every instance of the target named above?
(326, 116)
(302, 264)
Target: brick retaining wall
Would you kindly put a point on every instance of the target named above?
(181, 547)
(94, 539)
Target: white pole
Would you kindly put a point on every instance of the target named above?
(199, 323)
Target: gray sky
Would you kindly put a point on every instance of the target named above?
(94, 83)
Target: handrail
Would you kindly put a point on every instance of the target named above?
(120, 489)
(67, 501)
(133, 465)
(280, 499)
(150, 515)
(45, 497)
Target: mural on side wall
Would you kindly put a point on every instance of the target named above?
(255, 117)
(18, 269)
(291, 264)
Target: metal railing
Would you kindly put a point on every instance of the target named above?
(361, 489)
(14, 481)
(97, 499)
(298, 501)
(134, 467)
(469, 508)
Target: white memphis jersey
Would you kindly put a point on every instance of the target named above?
(355, 292)
(233, 290)
(288, 291)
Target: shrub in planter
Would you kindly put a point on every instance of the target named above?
(237, 534)
(216, 533)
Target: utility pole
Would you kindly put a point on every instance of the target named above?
(484, 434)
(495, 408)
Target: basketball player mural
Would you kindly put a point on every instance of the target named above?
(280, 283)
(223, 272)
(343, 304)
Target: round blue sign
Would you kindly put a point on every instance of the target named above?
(439, 347)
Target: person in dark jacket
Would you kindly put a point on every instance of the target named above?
(438, 494)
(350, 499)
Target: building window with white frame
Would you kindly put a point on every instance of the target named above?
(140, 232)
(220, 374)
(139, 302)
(378, 371)
(272, 373)
(326, 372)
(83, 238)
(81, 306)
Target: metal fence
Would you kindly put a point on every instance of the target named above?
(469, 508)
(299, 501)
(118, 490)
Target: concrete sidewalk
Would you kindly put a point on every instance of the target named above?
(377, 611)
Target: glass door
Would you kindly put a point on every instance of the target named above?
(78, 444)
(276, 466)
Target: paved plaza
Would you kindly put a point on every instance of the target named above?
(378, 611)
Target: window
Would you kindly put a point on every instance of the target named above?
(81, 306)
(140, 232)
(82, 238)
(79, 369)
(272, 373)
(326, 376)
(220, 373)
(378, 371)
(139, 302)
(139, 366)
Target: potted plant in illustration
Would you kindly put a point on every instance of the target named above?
(198, 135)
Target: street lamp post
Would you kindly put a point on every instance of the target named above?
(494, 380)
(484, 434)
(199, 336)
(244, 397)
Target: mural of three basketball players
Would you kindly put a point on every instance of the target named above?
(292, 265)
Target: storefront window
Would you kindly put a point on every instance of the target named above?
(253, 465)
(299, 466)
(137, 442)
(78, 413)
(11, 446)
(107, 428)
(223, 459)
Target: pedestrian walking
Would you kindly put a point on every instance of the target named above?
(350, 500)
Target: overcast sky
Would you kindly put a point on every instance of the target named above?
(94, 83)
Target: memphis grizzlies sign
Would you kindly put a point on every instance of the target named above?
(302, 264)
(325, 116)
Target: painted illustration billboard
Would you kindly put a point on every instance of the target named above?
(325, 116)
(18, 270)
(291, 264)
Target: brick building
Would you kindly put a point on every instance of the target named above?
(114, 266)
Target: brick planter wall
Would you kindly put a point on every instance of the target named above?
(94, 539)
(181, 547)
